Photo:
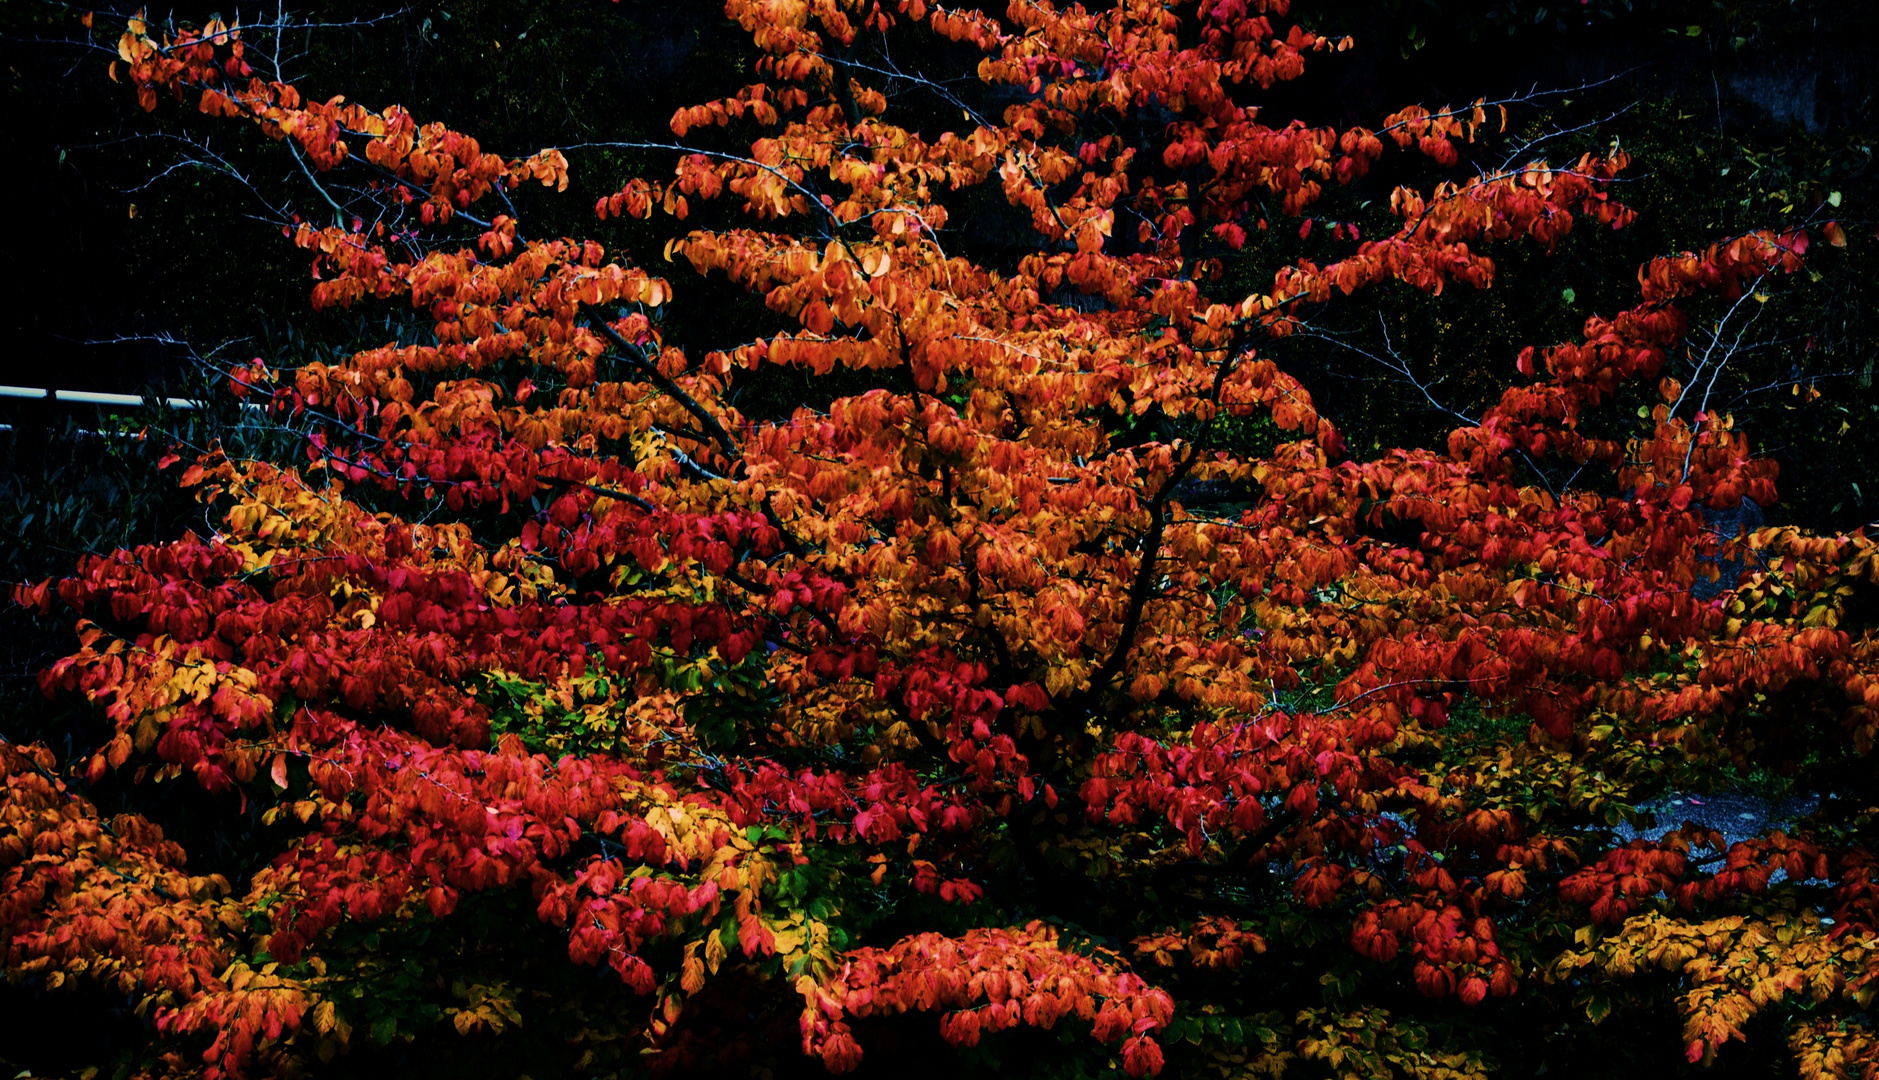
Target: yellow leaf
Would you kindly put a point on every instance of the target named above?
(788, 938)
(693, 979)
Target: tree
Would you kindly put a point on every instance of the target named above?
(1054, 667)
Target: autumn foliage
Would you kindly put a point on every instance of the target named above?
(957, 694)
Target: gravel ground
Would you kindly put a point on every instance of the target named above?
(1738, 815)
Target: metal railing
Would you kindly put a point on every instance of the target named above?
(93, 397)
(90, 397)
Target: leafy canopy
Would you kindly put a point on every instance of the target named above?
(1058, 667)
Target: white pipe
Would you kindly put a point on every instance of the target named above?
(88, 397)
